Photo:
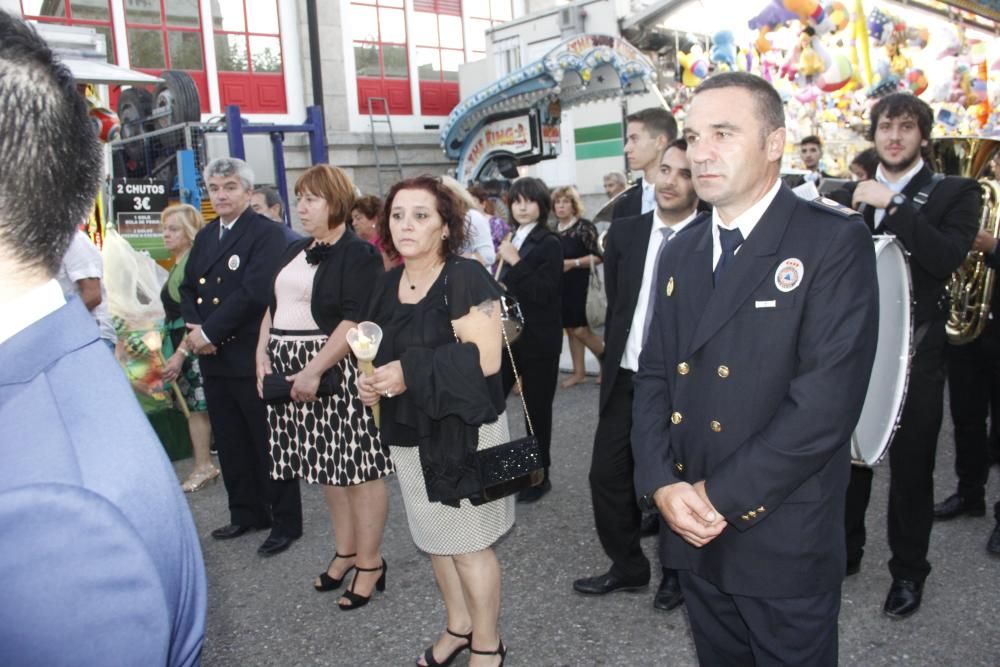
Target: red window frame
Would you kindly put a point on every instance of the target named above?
(69, 19)
(200, 77)
(438, 98)
(253, 91)
(394, 89)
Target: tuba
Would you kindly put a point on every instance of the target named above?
(970, 288)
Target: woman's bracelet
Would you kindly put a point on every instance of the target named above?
(183, 351)
(578, 262)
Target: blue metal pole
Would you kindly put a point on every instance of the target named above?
(317, 135)
(234, 131)
(278, 149)
(187, 178)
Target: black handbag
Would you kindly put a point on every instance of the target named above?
(276, 389)
(513, 466)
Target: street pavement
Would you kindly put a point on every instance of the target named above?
(265, 611)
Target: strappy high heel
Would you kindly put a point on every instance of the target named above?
(429, 653)
(328, 583)
(354, 600)
(501, 651)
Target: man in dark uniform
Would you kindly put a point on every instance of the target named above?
(630, 261)
(223, 297)
(936, 221)
(749, 386)
(648, 133)
(974, 393)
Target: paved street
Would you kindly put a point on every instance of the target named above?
(265, 612)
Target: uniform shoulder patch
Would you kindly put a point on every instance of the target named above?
(830, 206)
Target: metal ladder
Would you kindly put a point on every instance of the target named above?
(385, 118)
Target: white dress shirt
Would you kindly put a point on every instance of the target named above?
(895, 187)
(521, 234)
(633, 344)
(30, 307)
(648, 196)
(746, 221)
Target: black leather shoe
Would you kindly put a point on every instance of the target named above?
(275, 544)
(650, 525)
(668, 595)
(993, 544)
(535, 493)
(608, 583)
(955, 505)
(231, 531)
(903, 599)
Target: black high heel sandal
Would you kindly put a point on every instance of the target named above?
(501, 651)
(357, 601)
(328, 583)
(429, 653)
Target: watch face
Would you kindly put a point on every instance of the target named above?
(898, 200)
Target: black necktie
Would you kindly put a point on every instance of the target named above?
(222, 231)
(730, 240)
(667, 233)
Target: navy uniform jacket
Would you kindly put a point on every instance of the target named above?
(757, 390)
(630, 202)
(226, 289)
(100, 563)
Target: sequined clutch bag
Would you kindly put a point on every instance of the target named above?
(509, 468)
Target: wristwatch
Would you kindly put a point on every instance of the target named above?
(897, 200)
(647, 503)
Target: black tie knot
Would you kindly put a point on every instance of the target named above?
(730, 239)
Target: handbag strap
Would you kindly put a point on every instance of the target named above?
(513, 365)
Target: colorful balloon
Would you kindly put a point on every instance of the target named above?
(837, 75)
(916, 81)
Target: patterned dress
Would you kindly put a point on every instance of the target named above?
(332, 440)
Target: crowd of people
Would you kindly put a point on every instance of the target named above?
(738, 342)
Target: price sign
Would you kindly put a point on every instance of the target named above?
(138, 203)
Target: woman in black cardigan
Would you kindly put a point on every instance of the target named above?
(323, 436)
(532, 273)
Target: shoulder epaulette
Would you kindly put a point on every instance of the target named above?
(830, 206)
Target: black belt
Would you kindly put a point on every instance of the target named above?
(297, 332)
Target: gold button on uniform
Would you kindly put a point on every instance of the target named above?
(683, 368)
(723, 371)
(676, 418)
(199, 300)
(679, 466)
(218, 280)
(715, 426)
(201, 281)
(215, 301)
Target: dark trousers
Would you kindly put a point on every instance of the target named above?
(239, 422)
(911, 467)
(740, 631)
(539, 375)
(612, 483)
(974, 393)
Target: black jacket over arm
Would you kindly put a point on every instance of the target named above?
(536, 283)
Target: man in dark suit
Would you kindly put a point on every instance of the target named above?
(811, 152)
(100, 561)
(974, 397)
(634, 246)
(936, 221)
(226, 285)
(749, 385)
(648, 132)
(266, 201)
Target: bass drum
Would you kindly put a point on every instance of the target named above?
(887, 388)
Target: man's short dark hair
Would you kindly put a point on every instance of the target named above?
(532, 189)
(656, 120)
(770, 109)
(50, 160)
(902, 104)
(271, 197)
(867, 160)
(678, 143)
(811, 139)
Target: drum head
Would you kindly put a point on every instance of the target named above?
(887, 387)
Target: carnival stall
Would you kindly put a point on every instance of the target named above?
(515, 121)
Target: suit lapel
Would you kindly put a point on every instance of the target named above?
(635, 259)
(918, 181)
(752, 263)
(239, 228)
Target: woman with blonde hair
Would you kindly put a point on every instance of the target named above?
(581, 255)
(181, 223)
(322, 433)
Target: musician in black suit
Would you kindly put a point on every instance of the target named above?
(532, 274)
(225, 291)
(936, 220)
(974, 397)
(749, 386)
(648, 133)
(634, 246)
(811, 152)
